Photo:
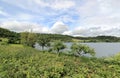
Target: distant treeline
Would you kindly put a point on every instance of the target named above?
(54, 37)
(14, 37)
(99, 39)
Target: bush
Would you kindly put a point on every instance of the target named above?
(58, 45)
(3, 43)
(80, 49)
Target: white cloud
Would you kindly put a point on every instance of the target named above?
(88, 8)
(66, 18)
(24, 26)
(93, 17)
(59, 28)
(2, 12)
(101, 14)
(67, 32)
(35, 5)
(24, 16)
(55, 4)
(62, 4)
(95, 31)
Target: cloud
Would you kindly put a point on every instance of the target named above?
(24, 16)
(83, 17)
(24, 26)
(3, 13)
(62, 4)
(35, 5)
(59, 28)
(95, 31)
(88, 8)
(101, 14)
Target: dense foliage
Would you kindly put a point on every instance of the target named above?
(99, 39)
(58, 45)
(28, 39)
(81, 49)
(13, 37)
(25, 62)
(43, 40)
(54, 37)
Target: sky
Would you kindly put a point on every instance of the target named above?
(67, 17)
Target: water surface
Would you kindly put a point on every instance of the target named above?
(101, 49)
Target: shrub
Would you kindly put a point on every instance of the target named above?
(81, 49)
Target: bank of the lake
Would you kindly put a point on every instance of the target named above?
(102, 49)
(18, 61)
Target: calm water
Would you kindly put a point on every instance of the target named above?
(101, 49)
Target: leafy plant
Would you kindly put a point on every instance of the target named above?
(44, 41)
(28, 39)
(81, 49)
(18, 61)
(58, 45)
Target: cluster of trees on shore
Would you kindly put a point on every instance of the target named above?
(22, 61)
(14, 37)
(44, 40)
(30, 39)
(101, 38)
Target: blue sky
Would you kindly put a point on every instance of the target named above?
(70, 17)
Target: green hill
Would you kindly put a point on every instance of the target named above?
(18, 61)
(15, 37)
(12, 37)
(5, 33)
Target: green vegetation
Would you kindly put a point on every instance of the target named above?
(3, 41)
(43, 40)
(28, 39)
(58, 45)
(54, 37)
(12, 37)
(80, 49)
(98, 39)
(18, 61)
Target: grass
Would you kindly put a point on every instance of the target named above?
(18, 61)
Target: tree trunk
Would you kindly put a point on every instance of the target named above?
(58, 50)
(42, 47)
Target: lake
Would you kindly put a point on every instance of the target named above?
(101, 49)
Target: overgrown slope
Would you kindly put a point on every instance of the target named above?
(17, 61)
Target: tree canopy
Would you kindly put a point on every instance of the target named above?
(58, 45)
(81, 49)
(28, 39)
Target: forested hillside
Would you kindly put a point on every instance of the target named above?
(53, 37)
(5, 33)
(12, 37)
(99, 39)
(15, 37)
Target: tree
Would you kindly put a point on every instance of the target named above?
(28, 39)
(58, 45)
(43, 41)
(81, 49)
(24, 38)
